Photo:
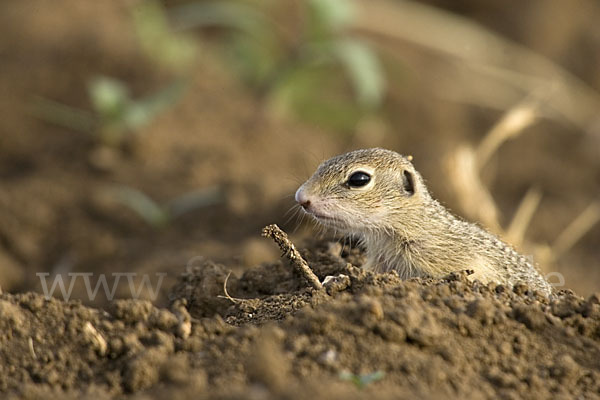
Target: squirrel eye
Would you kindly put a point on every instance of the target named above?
(359, 179)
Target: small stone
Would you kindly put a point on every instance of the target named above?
(328, 358)
(594, 298)
(532, 317)
(335, 284)
(505, 348)
(371, 309)
(96, 340)
(104, 159)
(481, 310)
(142, 371)
(267, 364)
(421, 327)
(184, 327)
(176, 369)
(390, 332)
(334, 249)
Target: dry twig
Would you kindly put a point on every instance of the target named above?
(227, 296)
(290, 251)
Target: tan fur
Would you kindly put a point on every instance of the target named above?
(407, 231)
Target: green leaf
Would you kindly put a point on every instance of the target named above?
(360, 381)
(140, 112)
(194, 200)
(253, 59)
(64, 115)
(370, 378)
(363, 69)
(329, 16)
(252, 40)
(224, 14)
(174, 50)
(108, 96)
(140, 203)
(317, 94)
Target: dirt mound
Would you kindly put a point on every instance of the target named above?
(269, 336)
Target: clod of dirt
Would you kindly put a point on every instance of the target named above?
(141, 372)
(335, 284)
(202, 286)
(267, 364)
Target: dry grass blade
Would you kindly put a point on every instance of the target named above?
(227, 296)
(520, 222)
(576, 230)
(482, 56)
(288, 248)
(509, 126)
(474, 198)
(465, 164)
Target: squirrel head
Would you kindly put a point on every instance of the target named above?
(364, 191)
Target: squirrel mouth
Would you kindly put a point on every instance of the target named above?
(321, 216)
(326, 219)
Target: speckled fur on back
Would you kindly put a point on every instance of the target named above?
(402, 227)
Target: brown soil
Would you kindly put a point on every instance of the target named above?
(274, 338)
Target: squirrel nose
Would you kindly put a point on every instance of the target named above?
(302, 198)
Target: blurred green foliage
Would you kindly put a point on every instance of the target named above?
(118, 114)
(360, 381)
(297, 71)
(159, 215)
(170, 49)
(115, 115)
(316, 71)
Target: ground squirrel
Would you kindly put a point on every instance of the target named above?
(377, 196)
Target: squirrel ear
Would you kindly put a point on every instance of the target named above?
(408, 182)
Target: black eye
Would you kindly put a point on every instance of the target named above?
(359, 179)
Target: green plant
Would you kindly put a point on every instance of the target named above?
(173, 50)
(115, 115)
(298, 71)
(361, 380)
(158, 215)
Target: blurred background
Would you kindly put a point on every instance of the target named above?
(137, 135)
